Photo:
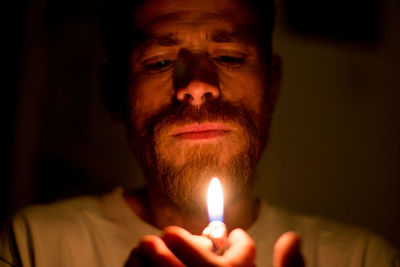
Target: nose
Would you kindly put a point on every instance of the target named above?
(197, 92)
(195, 78)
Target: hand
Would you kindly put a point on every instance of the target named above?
(287, 251)
(178, 248)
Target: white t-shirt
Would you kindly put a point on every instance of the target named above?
(102, 231)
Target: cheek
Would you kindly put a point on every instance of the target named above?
(147, 95)
(246, 88)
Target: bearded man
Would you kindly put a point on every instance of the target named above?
(195, 83)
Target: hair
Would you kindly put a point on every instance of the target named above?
(119, 37)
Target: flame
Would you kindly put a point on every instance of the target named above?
(215, 201)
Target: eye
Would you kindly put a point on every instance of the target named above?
(229, 61)
(158, 66)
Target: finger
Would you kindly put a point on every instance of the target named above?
(200, 241)
(152, 251)
(242, 250)
(190, 249)
(287, 251)
(203, 242)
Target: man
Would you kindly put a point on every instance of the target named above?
(202, 84)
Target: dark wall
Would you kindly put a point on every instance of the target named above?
(13, 36)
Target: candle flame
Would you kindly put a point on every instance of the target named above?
(215, 201)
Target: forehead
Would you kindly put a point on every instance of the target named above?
(224, 13)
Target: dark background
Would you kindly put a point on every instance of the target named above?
(334, 148)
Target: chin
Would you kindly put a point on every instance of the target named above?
(185, 172)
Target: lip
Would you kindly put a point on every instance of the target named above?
(201, 131)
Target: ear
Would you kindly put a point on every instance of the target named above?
(274, 81)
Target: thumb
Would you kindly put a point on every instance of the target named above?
(287, 251)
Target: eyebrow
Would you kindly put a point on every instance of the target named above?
(164, 40)
(222, 36)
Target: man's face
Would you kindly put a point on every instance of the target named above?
(197, 98)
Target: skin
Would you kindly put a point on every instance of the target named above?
(229, 69)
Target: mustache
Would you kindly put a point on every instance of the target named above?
(210, 111)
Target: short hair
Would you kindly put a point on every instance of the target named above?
(119, 37)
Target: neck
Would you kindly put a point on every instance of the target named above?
(160, 212)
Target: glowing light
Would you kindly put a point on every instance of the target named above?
(215, 201)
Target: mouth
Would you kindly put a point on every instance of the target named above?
(201, 131)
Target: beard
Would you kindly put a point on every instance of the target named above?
(181, 172)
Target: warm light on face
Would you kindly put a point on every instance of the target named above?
(215, 201)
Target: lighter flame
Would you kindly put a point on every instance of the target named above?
(215, 201)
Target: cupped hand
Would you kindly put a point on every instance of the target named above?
(177, 248)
